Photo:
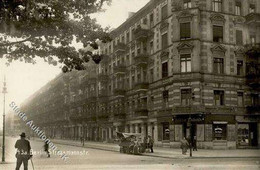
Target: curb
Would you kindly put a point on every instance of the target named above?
(158, 156)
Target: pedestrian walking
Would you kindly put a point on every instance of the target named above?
(150, 143)
(184, 146)
(23, 153)
(194, 143)
(46, 149)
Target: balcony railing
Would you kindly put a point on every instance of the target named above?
(253, 18)
(142, 86)
(119, 92)
(120, 69)
(141, 111)
(142, 33)
(120, 48)
(119, 117)
(253, 109)
(103, 77)
(141, 60)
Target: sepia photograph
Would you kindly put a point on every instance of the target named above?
(129, 84)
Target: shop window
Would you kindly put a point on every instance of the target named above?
(217, 5)
(185, 63)
(164, 41)
(239, 67)
(218, 66)
(252, 8)
(185, 31)
(239, 37)
(220, 131)
(217, 33)
(186, 4)
(164, 69)
(243, 134)
(238, 8)
(185, 96)
(240, 99)
(166, 131)
(219, 97)
(164, 12)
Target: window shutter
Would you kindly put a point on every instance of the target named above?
(239, 37)
(185, 30)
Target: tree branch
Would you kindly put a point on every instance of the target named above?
(16, 42)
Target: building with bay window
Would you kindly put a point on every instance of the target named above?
(170, 62)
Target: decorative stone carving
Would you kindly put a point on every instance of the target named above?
(185, 47)
(240, 52)
(239, 20)
(218, 50)
(176, 5)
(185, 16)
(217, 19)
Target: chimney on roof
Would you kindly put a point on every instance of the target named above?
(130, 14)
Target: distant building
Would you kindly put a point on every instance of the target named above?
(171, 66)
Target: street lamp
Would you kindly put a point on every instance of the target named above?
(3, 147)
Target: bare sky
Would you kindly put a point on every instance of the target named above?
(24, 79)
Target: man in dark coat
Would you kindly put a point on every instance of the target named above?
(150, 143)
(46, 148)
(23, 152)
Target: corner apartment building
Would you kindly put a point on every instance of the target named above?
(175, 68)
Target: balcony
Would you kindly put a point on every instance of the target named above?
(120, 69)
(103, 77)
(253, 19)
(141, 60)
(142, 33)
(119, 117)
(253, 109)
(253, 50)
(103, 118)
(120, 48)
(142, 86)
(119, 92)
(141, 111)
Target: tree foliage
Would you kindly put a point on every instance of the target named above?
(47, 29)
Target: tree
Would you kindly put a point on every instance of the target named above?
(47, 29)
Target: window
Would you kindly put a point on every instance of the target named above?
(255, 99)
(217, 33)
(217, 5)
(166, 131)
(185, 31)
(218, 66)
(186, 4)
(252, 38)
(151, 75)
(151, 47)
(219, 97)
(145, 21)
(238, 8)
(164, 12)
(185, 63)
(252, 8)
(127, 37)
(239, 67)
(165, 95)
(164, 69)
(239, 37)
(151, 19)
(164, 41)
(220, 131)
(185, 97)
(240, 99)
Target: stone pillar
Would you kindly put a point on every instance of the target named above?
(109, 133)
(149, 129)
(155, 132)
(258, 134)
(136, 128)
(126, 129)
(131, 128)
(143, 129)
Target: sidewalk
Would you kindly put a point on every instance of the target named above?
(168, 152)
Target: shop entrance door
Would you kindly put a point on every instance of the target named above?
(253, 134)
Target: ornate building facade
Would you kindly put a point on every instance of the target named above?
(175, 68)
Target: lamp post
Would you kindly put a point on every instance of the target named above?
(3, 147)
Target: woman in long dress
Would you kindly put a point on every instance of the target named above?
(184, 146)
